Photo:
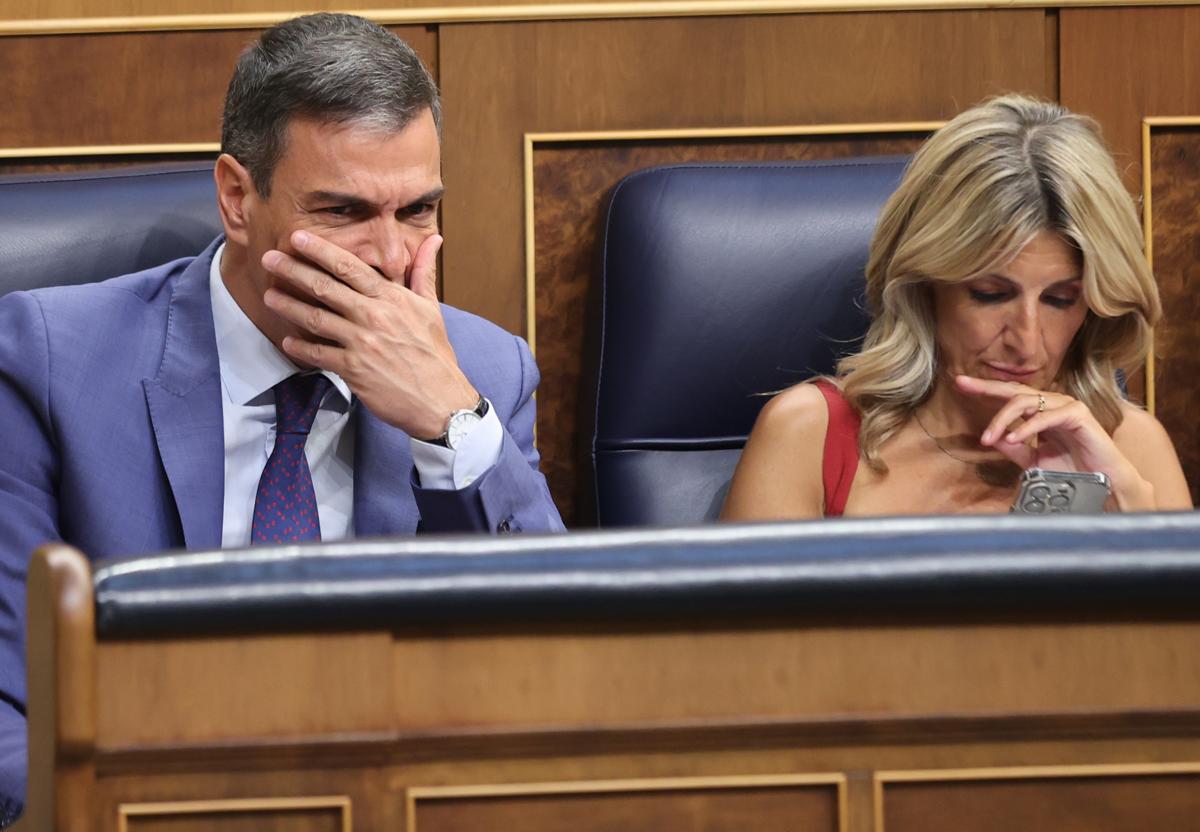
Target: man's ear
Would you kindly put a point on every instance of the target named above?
(235, 189)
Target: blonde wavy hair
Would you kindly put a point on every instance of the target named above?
(973, 196)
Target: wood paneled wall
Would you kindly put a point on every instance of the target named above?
(946, 720)
(504, 80)
(137, 88)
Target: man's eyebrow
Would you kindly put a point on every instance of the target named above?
(350, 199)
(338, 198)
(429, 196)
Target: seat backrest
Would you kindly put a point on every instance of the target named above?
(721, 283)
(65, 229)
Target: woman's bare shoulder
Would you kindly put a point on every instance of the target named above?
(1138, 425)
(779, 474)
(795, 414)
(1145, 443)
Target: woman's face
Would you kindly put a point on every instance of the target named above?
(1014, 324)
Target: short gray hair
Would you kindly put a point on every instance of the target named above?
(336, 68)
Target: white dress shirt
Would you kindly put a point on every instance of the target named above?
(250, 367)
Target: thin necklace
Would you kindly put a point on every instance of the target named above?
(1000, 472)
(940, 446)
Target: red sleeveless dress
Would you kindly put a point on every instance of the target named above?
(839, 461)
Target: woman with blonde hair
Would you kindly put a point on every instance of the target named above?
(1007, 285)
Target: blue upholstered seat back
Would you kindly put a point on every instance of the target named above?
(65, 229)
(720, 283)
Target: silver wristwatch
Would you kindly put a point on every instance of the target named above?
(460, 424)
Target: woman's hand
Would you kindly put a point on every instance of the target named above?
(1068, 437)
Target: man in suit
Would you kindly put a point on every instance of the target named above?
(298, 380)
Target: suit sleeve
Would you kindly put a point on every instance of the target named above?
(29, 473)
(512, 496)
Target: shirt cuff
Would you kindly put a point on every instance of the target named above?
(453, 470)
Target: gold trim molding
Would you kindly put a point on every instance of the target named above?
(533, 140)
(1148, 125)
(655, 784)
(84, 151)
(950, 775)
(125, 811)
(589, 9)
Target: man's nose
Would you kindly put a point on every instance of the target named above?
(386, 249)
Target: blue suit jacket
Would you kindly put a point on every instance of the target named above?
(112, 440)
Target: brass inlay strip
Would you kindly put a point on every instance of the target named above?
(540, 11)
(1148, 237)
(1148, 125)
(1022, 773)
(1036, 772)
(530, 250)
(125, 811)
(1172, 121)
(532, 140)
(856, 128)
(92, 150)
(656, 784)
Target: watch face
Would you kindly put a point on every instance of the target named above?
(460, 425)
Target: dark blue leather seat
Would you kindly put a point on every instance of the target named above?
(721, 283)
(65, 229)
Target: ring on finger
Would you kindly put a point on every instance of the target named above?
(1041, 403)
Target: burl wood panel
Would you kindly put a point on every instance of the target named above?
(501, 81)
(1160, 803)
(572, 183)
(133, 88)
(1175, 221)
(275, 820)
(812, 809)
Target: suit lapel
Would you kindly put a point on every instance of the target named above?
(383, 502)
(184, 399)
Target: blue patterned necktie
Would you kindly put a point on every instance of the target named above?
(285, 508)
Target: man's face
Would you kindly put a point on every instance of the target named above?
(373, 193)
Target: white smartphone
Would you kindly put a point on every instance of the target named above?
(1062, 492)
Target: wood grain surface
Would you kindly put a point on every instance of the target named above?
(501, 81)
(141, 88)
(1071, 804)
(794, 809)
(271, 820)
(369, 715)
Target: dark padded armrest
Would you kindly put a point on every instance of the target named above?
(851, 567)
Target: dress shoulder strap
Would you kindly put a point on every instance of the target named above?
(839, 462)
